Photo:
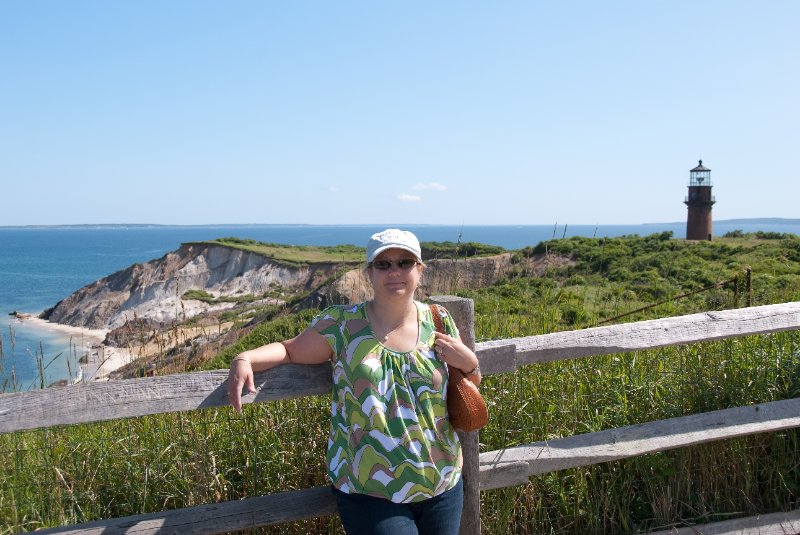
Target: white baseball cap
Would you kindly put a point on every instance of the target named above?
(393, 238)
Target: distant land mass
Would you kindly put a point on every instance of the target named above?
(763, 221)
(749, 221)
(153, 225)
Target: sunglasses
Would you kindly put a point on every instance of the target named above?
(405, 264)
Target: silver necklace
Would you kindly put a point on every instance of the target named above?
(386, 336)
(393, 329)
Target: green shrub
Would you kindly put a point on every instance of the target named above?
(447, 249)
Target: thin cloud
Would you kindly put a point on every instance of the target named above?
(436, 186)
(405, 197)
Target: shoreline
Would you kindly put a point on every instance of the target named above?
(101, 359)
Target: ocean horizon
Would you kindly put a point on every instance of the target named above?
(40, 265)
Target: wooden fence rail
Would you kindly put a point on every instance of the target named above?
(494, 469)
(197, 390)
(513, 466)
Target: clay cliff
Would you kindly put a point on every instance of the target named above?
(164, 329)
(154, 291)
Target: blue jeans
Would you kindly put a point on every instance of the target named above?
(367, 515)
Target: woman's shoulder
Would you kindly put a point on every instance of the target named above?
(447, 319)
(345, 309)
(337, 320)
(341, 312)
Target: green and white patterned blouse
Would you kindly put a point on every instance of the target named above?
(390, 436)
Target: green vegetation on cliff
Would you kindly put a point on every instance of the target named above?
(293, 255)
(448, 249)
(599, 279)
(205, 297)
(302, 255)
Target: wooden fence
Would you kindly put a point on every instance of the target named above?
(482, 471)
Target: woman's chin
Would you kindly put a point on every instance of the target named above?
(396, 291)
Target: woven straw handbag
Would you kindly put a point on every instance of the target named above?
(465, 405)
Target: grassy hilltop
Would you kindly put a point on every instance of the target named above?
(295, 255)
(610, 277)
(349, 254)
(146, 464)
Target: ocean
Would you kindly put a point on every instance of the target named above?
(39, 266)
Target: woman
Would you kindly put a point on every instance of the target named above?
(393, 458)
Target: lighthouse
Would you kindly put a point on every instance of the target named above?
(699, 202)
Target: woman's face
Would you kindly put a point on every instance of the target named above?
(395, 272)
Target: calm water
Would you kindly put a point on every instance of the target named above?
(41, 266)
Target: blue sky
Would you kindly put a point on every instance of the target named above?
(195, 112)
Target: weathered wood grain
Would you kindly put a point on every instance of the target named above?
(95, 402)
(769, 524)
(651, 334)
(217, 517)
(498, 359)
(513, 466)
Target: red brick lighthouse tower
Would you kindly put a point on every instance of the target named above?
(699, 202)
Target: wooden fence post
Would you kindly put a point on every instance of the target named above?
(463, 312)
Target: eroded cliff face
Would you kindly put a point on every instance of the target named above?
(153, 291)
(441, 277)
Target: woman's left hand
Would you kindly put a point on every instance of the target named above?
(456, 354)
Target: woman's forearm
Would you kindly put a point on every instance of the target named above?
(265, 357)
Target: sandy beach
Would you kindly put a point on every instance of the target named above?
(101, 359)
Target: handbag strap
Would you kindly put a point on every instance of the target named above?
(437, 319)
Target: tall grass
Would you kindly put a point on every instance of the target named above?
(79, 473)
(743, 476)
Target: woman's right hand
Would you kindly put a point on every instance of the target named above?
(309, 347)
(240, 375)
